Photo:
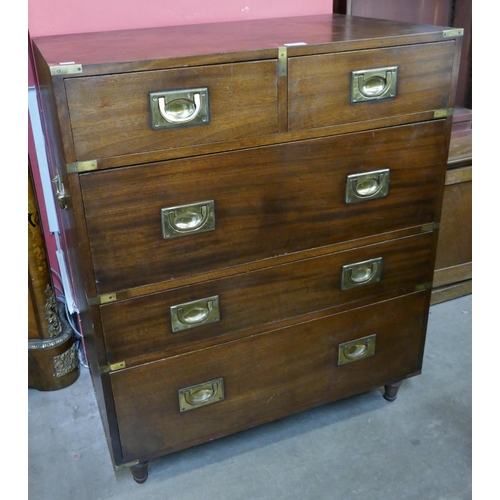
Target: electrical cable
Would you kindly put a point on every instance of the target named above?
(80, 341)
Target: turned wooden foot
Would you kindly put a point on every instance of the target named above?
(391, 390)
(140, 472)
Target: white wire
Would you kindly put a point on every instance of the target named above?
(79, 337)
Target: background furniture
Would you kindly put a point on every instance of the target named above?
(53, 361)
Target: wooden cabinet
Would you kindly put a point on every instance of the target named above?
(453, 268)
(253, 213)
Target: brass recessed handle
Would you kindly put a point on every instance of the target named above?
(180, 110)
(367, 185)
(355, 350)
(195, 313)
(188, 220)
(183, 220)
(202, 394)
(374, 84)
(361, 273)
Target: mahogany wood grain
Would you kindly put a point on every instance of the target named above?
(282, 225)
(139, 327)
(268, 202)
(319, 88)
(178, 46)
(268, 140)
(265, 377)
(261, 264)
(110, 115)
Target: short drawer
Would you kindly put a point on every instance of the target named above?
(229, 209)
(181, 401)
(115, 115)
(152, 324)
(334, 89)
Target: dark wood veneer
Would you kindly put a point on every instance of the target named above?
(268, 202)
(273, 375)
(276, 169)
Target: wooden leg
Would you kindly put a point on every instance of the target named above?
(391, 390)
(140, 472)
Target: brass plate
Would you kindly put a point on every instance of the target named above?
(203, 394)
(282, 61)
(374, 84)
(367, 186)
(194, 314)
(185, 220)
(354, 350)
(443, 113)
(179, 108)
(453, 32)
(81, 166)
(66, 69)
(361, 273)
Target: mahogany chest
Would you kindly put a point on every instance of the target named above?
(251, 214)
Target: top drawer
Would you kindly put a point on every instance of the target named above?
(115, 115)
(334, 89)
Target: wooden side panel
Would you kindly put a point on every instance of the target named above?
(455, 234)
(436, 12)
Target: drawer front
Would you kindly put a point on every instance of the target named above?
(386, 82)
(248, 382)
(138, 327)
(116, 115)
(265, 202)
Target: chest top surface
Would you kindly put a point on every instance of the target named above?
(173, 46)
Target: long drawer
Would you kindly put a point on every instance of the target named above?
(158, 322)
(157, 222)
(114, 115)
(332, 89)
(188, 399)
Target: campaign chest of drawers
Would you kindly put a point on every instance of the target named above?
(251, 213)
